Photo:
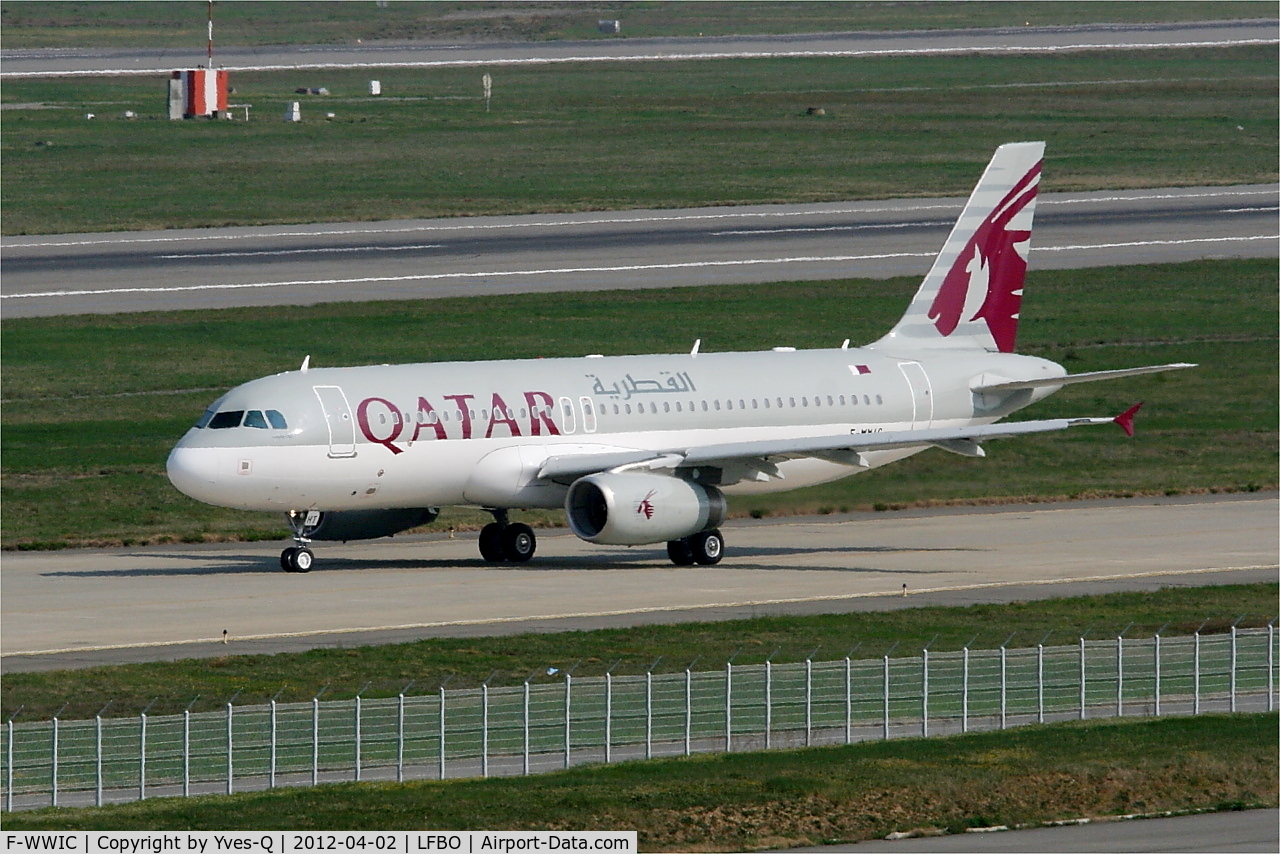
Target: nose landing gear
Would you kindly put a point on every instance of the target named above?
(298, 557)
(502, 540)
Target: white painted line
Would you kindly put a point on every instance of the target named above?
(671, 57)
(627, 268)
(333, 249)
(494, 621)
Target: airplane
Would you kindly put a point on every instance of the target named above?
(643, 449)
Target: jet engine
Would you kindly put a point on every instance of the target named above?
(624, 509)
(360, 524)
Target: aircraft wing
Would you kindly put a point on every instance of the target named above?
(844, 447)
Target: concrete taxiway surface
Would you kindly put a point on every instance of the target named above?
(78, 608)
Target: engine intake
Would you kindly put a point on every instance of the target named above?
(624, 509)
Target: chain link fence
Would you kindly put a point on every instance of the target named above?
(532, 728)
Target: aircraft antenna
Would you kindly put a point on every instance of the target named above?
(306, 363)
(696, 345)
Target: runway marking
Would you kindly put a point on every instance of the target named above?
(625, 268)
(699, 56)
(655, 610)
(553, 222)
(332, 249)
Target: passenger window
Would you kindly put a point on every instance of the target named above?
(879, 399)
(717, 403)
(223, 420)
(253, 418)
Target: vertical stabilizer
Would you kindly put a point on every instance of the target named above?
(972, 296)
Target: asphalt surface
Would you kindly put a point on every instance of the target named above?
(422, 259)
(82, 61)
(87, 607)
(1252, 830)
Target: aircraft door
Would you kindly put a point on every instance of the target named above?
(588, 415)
(921, 394)
(568, 420)
(337, 414)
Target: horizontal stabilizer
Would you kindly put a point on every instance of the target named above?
(1092, 376)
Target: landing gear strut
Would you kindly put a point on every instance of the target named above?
(298, 557)
(704, 548)
(502, 540)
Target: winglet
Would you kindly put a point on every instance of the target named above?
(1125, 419)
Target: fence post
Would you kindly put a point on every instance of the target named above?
(1083, 698)
(186, 752)
(525, 763)
(8, 770)
(1120, 676)
(568, 696)
(53, 765)
(886, 698)
(442, 732)
(848, 700)
(356, 708)
(1233, 668)
(1004, 689)
(97, 755)
(688, 709)
(1195, 706)
(924, 692)
(400, 738)
(1156, 652)
(1271, 666)
(315, 740)
(808, 702)
(648, 714)
(1040, 682)
(230, 747)
(728, 702)
(608, 718)
(271, 767)
(484, 729)
(964, 693)
(142, 757)
(768, 704)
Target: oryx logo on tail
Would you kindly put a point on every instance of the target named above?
(986, 279)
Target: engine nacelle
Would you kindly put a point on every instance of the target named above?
(363, 524)
(623, 509)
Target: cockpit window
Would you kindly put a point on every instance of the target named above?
(253, 418)
(277, 420)
(207, 417)
(223, 420)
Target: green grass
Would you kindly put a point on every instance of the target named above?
(131, 24)
(785, 798)
(611, 136)
(84, 451)
(383, 671)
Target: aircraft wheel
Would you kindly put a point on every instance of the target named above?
(491, 543)
(680, 552)
(302, 560)
(518, 542)
(707, 547)
(286, 559)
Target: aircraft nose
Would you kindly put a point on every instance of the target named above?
(194, 472)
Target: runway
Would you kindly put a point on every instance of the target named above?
(1050, 39)
(425, 259)
(81, 608)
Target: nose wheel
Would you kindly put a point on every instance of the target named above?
(297, 559)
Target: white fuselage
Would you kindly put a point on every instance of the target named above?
(429, 435)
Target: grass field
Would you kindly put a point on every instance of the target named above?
(744, 802)
(383, 671)
(132, 24)
(611, 136)
(84, 451)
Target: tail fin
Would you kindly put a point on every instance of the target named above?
(972, 297)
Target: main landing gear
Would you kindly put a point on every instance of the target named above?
(704, 548)
(502, 540)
